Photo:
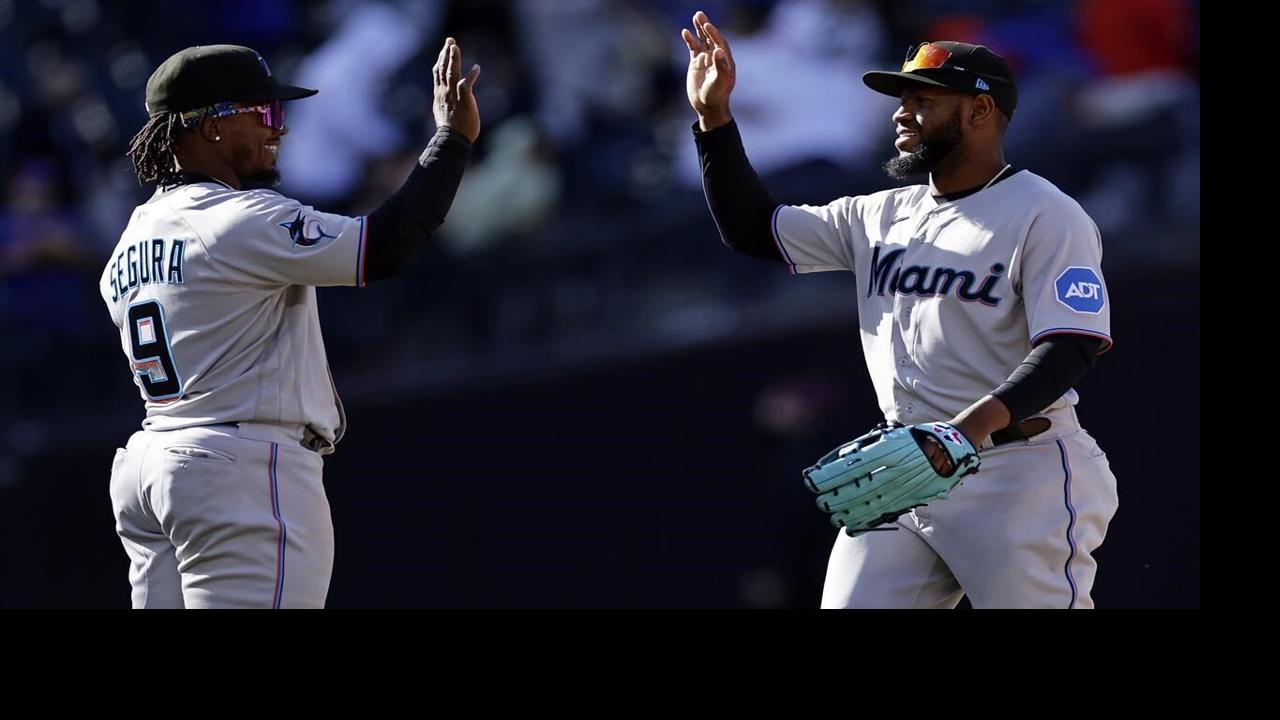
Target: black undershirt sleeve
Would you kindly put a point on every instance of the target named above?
(402, 224)
(740, 204)
(1055, 366)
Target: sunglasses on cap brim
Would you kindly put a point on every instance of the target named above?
(925, 57)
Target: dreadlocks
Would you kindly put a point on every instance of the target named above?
(152, 151)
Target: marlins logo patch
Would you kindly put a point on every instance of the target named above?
(305, 231)
(1080, 289)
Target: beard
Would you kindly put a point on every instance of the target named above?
(930, 153)
(265, 179)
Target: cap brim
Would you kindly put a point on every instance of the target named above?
(282, 92)
(293, 92)
(892, 83)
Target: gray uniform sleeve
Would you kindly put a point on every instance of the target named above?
(819, 238)
(267, 238)
(1059, 274)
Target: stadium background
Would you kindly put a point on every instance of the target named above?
(578, 397)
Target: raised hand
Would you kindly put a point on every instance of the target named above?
(454, 105)
(712, 73)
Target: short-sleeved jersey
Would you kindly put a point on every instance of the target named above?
(953, 295)
(213, 290)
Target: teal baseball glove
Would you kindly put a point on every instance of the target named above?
(875, 478)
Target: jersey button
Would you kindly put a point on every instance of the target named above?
(903, 362)
(911, 408)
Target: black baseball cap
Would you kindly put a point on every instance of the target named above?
(209, 74)
(960, 66)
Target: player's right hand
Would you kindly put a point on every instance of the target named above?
(711, 72)
(454, 105)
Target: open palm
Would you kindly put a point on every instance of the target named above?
(711, 74)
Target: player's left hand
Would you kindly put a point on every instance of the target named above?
(881, 475)
(712, 72)
(938, 457)
(454, 105)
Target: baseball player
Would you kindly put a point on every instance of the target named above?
(219, 500)
(981, 303)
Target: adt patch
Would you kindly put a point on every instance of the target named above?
(1080, 289)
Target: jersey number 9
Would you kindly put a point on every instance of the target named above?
(152, 359)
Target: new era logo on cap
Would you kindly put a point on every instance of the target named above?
(982, 84)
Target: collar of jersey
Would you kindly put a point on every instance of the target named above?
(952, 197)
(192, 178)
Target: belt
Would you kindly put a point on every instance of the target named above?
(315, 442)
(1024, 430)
(311, 440)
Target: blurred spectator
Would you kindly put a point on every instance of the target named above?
(333, 134)
(43, 263)
(1142, 114)
(600, 95)
(799, 92)
(1144, 51)
(513, 189)
(604, 66)
(585, 172)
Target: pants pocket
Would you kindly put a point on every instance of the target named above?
(200, 453)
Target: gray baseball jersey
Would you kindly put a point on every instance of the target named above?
(951, 298)
(217, 501)
(953, 295)
(213, 290)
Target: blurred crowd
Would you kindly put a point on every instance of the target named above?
(580, 227)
